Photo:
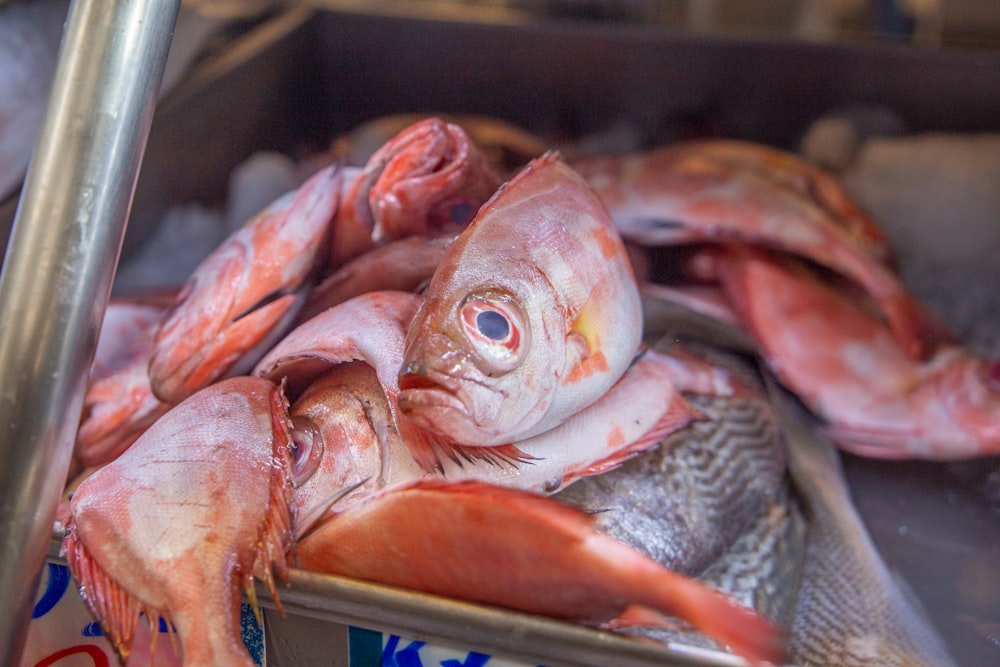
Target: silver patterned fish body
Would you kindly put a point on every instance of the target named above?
(851, 610)
(688, 501)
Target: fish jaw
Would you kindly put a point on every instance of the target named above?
(542, 256)
(432, 182)
(442, 538)
(236, 297)
(192, 512)
(428, 180)
(445, 390)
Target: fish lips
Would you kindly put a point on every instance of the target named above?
(439, 402)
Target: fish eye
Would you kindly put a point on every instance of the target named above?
(306, 449)
(453, 215)
(493, 324)
(495, 328)
(461, 212)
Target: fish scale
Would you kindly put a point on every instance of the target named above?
(762, 570)
(851, 611)
(687, 501)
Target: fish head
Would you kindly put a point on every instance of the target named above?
(532, 314)
(340, 426)
(484, 362)
(431, 181)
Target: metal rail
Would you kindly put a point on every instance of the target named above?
(59, 268)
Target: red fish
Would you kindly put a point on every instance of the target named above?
(533, 313)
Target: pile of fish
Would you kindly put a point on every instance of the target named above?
(386, 372)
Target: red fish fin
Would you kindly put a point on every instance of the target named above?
(116, 609)
(734, 627)
(638, 616)
(425, 447)
(737, 628)
(678, 415)
(276, 542)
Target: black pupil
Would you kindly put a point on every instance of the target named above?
(493, 325)
(461, 213)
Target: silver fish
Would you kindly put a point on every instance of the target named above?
(851, 611)
(686, 502)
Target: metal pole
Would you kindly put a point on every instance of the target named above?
(59, 267)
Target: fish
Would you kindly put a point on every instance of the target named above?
(186, 518)
(533, 313)
(426, 181)
(789, 170)
(848, 367)
(685, 502)
(851, 610)
(119, 403)
(429, 180)
(222, 486)
(442, 538)
(241, 293)
(506, 146)
(637, 411)
(697, 193)
(711, 501)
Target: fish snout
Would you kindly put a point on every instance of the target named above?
(415, 375)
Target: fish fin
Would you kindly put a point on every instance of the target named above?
(638, 616)
(275, 545)
(499, 455)
(678, 415)
(115, 608)
(733, 626)
(428, 449)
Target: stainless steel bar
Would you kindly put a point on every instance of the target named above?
(59, 267)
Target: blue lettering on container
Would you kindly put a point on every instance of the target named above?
(472, 660)
(55, 587)
(406, 657)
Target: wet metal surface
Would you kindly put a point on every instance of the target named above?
(938, 526)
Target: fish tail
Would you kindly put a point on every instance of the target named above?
(741, 630)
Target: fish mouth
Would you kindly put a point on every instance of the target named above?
(427, 398)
